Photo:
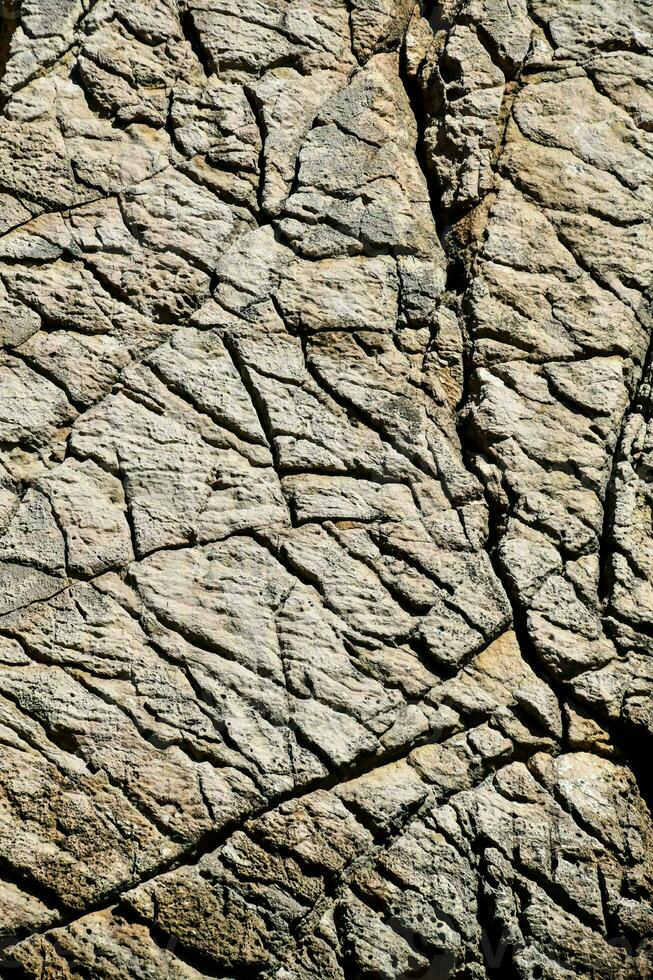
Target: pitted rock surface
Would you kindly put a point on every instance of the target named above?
(326, 489)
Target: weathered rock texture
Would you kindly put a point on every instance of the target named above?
(326, 489)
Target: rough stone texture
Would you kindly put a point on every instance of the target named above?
(326, 507)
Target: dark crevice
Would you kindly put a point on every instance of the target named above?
(192, 35)
(606, 538)
(542, 24)
(496, 945)
(257, 111)
(10, 19)
(639, 404)
(352, 44)
(421, 113)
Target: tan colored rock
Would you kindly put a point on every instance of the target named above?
(326, 559)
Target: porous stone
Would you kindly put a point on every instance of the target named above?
(326, 455)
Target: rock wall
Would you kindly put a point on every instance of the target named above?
(326, 489)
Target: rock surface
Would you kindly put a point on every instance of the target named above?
(326, 489)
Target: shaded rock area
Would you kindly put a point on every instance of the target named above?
(326, 489)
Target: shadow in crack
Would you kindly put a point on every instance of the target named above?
(8, 25)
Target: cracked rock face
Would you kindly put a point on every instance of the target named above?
(326, 489)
